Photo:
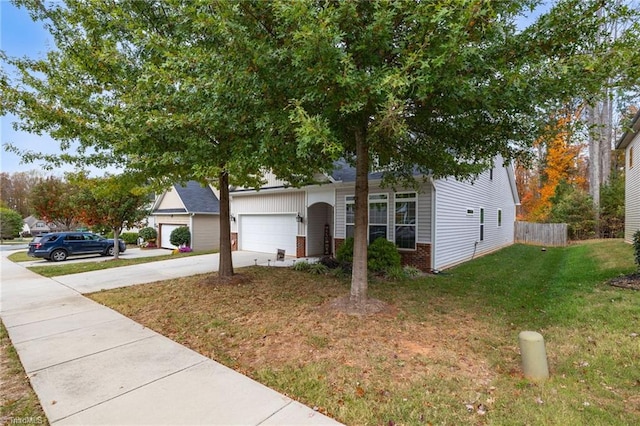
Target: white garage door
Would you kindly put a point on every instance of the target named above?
(165, 235)
(268, 233)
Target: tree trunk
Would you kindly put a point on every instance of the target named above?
(116, 243)
(595, 140)
(359, 282)
(225, 266)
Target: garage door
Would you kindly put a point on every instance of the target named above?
(268, 233)
(165, 235)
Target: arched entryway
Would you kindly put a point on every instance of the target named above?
(319, 230)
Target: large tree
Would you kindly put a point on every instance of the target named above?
(113, 201)
(220, 90)
(54, 200)
(432, 88)
(163, 87)
(10, 223)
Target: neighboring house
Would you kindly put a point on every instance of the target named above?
(444, 223)
(194, 206)
(630, 142)
(36, 227)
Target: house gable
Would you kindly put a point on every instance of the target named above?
(190, 198)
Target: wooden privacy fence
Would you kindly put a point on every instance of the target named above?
(546, 234)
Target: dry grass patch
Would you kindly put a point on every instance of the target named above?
(444, 351)
(278, 321)
(18, 402)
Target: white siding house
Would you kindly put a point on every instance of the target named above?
(474, 218)
(439, 224)
(630, 142)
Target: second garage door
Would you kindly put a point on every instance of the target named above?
(268, 233)
(165, 235)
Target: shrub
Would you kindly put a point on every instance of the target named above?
(344, 254)
(329, 262)
(180, 236)
(318, 269)
(383, 256)
(636, 247)
(395, 274)
(302, 266)
(412, 271)
(10, 223)
(148, 233)
(129, 237)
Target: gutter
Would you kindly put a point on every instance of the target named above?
(628, 136)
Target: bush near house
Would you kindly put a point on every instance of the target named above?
(148, 233)
(129, 237)
(382, 255)
(180, 236)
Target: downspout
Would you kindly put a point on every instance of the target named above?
(433, 226)
(191, 215)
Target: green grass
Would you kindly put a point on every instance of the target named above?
(59, 269)
(20, 256)
(447, 342)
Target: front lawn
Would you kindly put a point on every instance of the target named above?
(446, 350)
(67, 268)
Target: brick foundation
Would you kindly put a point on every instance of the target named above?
(301, 244)
(419, 258)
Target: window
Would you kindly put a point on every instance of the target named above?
(405, 220)
(499, 218)
(378, 216)
(481, 224)
(350, 215)
(491, 173)
(630, 157)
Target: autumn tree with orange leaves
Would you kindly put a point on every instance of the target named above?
(560, 159)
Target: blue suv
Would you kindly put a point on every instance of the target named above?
(57, 246)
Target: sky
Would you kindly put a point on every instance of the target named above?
(21, 36)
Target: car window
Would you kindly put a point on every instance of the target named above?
(74, 237)
(49, 238)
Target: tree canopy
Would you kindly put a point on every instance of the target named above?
(222, 91)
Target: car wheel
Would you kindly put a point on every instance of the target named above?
(110, 251)
(59, 255)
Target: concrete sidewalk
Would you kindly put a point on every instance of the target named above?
(90, 365)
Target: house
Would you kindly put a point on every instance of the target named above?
(630, 142)
(191, 205)
(36, 227)
(442, 223)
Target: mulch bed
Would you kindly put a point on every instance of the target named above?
(631, 281)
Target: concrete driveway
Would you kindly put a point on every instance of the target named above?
(89, 365)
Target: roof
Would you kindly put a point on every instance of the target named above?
(196, 199)
(344, 172)
(628, 136)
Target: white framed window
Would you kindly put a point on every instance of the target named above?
(350, 216)
(378, 216)
(481, 224)
(499, 218)
(406, 220)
